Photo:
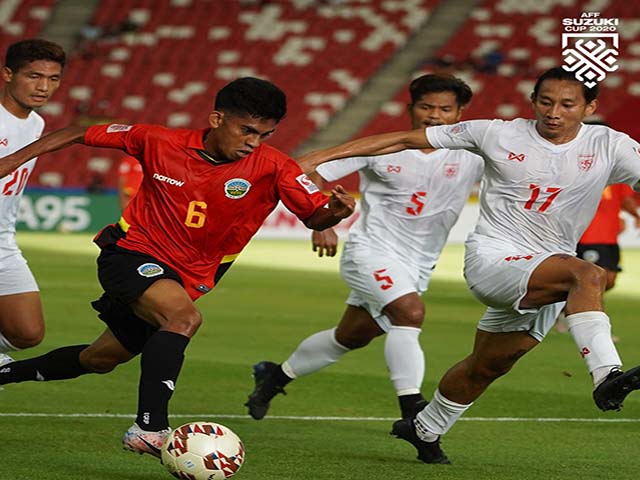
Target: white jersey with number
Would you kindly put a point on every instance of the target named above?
(15, 133)
(537, 196)
(410, 200)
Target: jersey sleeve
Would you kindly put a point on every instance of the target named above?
(129, 138)
(298, 193)
(459, 135)
(626, 168)
(337, 169)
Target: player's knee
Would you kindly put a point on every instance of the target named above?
(590, 275)
(27, 337)
(185, 322)
(98, 363)
(411, 317)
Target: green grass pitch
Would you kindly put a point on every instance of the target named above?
(537, 422)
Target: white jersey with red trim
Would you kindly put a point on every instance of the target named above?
(537, 196)
(410, 200)
(15, 133)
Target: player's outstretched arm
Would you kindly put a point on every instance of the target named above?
(366, 147)
(340, 206)
(49, 143)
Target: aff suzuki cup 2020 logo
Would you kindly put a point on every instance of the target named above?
(590, 47)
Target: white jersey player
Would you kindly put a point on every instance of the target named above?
(31, 74)
(410, 202)
(542, 185)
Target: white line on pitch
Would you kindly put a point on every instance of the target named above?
(313, 418)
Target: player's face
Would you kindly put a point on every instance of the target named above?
(32, 86)
(560, 108)
(234, 137)
(435, 108)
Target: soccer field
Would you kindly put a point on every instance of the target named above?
(537, 422)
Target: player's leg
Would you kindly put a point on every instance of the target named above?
(355, 330)
(583, 284)
(102, 356)
(21, 319)
(403, 353)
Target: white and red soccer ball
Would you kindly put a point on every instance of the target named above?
(202, 451)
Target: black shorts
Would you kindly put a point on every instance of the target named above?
(124, 276)
(604, 255)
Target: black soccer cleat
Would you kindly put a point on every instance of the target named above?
(428, 452)
(614, 389)
(266, 388)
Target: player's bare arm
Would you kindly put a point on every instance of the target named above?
(49, 143)
(367, 146)
(340, 206)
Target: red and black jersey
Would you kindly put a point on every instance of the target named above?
(190, 212)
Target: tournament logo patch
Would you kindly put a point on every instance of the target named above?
(117, 127)
(236, 188)
(150, 270)
(450, 169)
(306, 182)
(458, 128)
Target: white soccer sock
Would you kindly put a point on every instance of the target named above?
(6, 346)
(592, 334)
(405, 359)
(314, 353)
(438, 417)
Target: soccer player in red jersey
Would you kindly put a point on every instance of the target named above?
(599, 242)
(129, 179)
(203, 196)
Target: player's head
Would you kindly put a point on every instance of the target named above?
(560, 103)
(31, 73)
(437, 99)
(246, 112)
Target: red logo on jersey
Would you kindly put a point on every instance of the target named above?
(4, 142)
(516, 156)
(585, 161)
(393, 168)
(450, 169)
(515, 258)
(584, 352)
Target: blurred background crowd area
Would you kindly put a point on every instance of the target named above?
(344, 64)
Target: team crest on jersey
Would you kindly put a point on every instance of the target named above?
(236, 188)
(306, 182)
(585, 161)
(450, 169)
(458, 128)
(117, 127)
(394, 168)
(4, 142)
(150, 270)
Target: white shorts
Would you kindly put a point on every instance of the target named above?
(15, 276)
(499, 279)
(376, 280)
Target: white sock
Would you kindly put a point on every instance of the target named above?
(314, 353)
(592, 334)
(5, 345)
(438, 417)
(405, 359)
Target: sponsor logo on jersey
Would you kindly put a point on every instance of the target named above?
(169, 180)
(451, 169)
(585, 161)
(236, 188)
(394, 168)
(203, 288)
(516, 156)
(117, 127)
(458, 128)
(150, 270)
(306, 182)
(4, 142)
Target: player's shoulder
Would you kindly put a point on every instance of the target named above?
(270, 154)
(36, 118)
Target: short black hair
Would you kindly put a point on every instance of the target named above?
(559, 73)
(254, 97)
(433, 83)
(23, 52)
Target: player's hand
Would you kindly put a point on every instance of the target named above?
(325, 242)
(341, 203)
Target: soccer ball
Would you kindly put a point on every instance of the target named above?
(202, 451)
